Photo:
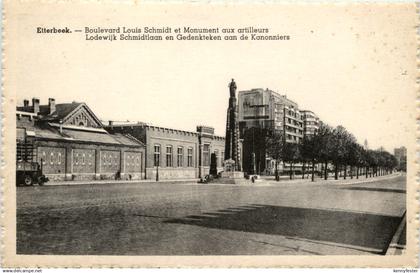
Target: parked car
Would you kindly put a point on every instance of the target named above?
(29, 173)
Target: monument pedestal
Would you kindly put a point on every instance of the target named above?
(231, 177)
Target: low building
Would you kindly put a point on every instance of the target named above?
(70, 143)
(175, 154)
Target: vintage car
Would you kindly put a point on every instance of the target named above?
(29, 173)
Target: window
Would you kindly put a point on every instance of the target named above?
(190, 157)
(44, 158)
(90, 159)
(83, 158)
(59, 159)
(52, 158)
(206, 151)
(169, 156)
(157, 155)
(180, 157)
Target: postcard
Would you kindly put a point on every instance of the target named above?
(209, 134)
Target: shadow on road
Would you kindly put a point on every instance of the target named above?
(341, 227)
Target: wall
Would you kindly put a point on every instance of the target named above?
(78, 161)
(165, 137)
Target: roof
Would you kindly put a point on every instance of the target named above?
(46, 131)
(62, 110)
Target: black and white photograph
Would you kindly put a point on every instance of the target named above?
(246, 135)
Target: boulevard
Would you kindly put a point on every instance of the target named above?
(274, 218)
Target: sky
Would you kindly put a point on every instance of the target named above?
(352, 65)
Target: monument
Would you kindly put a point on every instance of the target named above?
(233, 168)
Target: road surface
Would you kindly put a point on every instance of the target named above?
(210, 219)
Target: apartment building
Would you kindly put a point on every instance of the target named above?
(311, 123)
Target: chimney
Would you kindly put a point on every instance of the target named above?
(26, 103)
(61, 126)
(110, 123)
(35, 104)
(51, 105)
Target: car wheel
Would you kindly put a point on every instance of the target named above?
(28, 180)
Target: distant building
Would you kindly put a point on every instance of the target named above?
(70, 143)
(176, 154)
(401, 156)
(311, 123)
(400, 152)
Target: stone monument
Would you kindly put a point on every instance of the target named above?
(232, 169)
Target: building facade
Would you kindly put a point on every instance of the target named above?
(311, 123)
(175, 154)
(262, 111)
(266, 109)
(70, 143)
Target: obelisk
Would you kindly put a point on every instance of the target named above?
(232, 129)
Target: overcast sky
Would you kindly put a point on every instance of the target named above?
(351, 66)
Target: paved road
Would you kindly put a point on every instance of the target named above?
(213, 219)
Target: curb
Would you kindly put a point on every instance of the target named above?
(111, 182)
(394, 248)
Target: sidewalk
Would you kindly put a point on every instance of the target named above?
(330, 181)
(263, 180)
(100, 182)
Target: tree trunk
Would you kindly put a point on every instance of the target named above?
(336, 171)
(357, 172)
(276, 172)
(291, 168)
(326, 171)
(303, 170)
(345, 172)
(313, 171)
(366, 171)
(351, 172)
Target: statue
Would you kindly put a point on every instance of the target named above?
(232, 88)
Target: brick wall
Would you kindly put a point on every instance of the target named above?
(79, 161)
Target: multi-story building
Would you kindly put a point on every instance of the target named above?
(311, 123)
(69, 142)
(260, 111)
(266, 109)
(176, 154)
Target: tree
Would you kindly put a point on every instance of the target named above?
(310, 150)
(353, 158)
(274, 145)
(323, 146)
(291, 154)
(339, 140)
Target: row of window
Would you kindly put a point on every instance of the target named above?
(180, 156)
(169, 156)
